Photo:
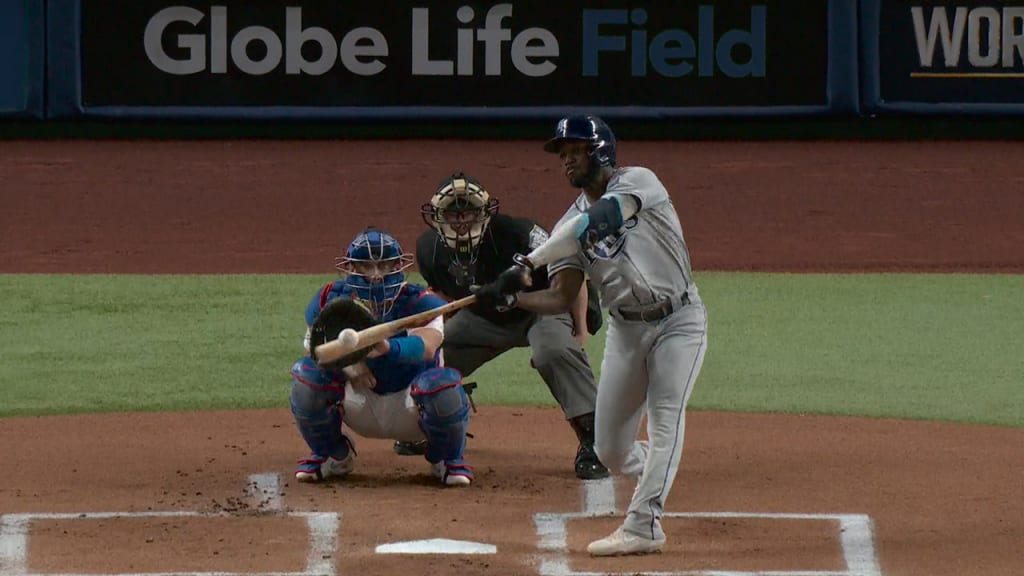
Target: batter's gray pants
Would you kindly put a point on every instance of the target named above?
(648, 368)
(470, 341)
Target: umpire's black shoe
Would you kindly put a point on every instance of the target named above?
(588, 466)
(417, 448)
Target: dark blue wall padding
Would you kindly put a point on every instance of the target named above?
(22, 57)
(895, 79)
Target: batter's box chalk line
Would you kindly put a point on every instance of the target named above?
(856, 537)
(264, 493)
(323, 533)
(262, 489)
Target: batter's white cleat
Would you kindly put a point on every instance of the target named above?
(621, 543)
(313, 469)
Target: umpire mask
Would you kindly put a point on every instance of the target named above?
(459, 211)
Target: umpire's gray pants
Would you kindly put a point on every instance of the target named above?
(470, 341)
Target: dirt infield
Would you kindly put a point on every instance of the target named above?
(199, 492)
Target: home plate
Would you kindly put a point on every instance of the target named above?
(437, 546)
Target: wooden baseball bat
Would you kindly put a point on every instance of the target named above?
(330, 351)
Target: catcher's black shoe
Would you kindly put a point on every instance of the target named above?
(417, 448)
(588, 466)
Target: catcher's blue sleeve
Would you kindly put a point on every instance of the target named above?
(420, 300)
(326, 293)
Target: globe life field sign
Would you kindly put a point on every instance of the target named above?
(253, 53)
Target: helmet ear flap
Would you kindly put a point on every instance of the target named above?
(602, 154)
(590, 128)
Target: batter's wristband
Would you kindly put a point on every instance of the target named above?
(406, 349)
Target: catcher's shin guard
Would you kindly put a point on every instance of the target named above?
(588, 466)
(316, 408)
(444, 418)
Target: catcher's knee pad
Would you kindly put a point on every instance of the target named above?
(317, 411)
(444, 412)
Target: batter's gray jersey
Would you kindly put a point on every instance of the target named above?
(646, 260)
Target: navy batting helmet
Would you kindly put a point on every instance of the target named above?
(591, 129)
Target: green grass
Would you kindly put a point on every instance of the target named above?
(910, 346)
(944, 347)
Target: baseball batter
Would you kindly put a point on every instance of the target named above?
(624, 231)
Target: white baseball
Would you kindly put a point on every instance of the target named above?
(349, 337)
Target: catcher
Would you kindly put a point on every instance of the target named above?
(397, 389)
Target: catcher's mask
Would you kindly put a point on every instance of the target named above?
(374, 267)
(459, 211)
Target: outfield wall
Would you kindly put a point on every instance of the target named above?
(388, 59)
(942, 56)
(22, 58)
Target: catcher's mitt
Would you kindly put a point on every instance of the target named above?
(337, 315)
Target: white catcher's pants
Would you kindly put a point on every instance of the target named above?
(392, 416)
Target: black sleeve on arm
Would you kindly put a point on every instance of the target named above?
(524, 244)
(426, 254)
(520, 230)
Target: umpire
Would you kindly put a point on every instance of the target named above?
(469, 243)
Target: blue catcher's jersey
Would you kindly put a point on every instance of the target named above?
(412, 298)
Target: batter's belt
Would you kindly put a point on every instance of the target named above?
(651, 312)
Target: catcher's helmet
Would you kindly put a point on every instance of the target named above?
(459, 211)
(375, 265)
(591, 129)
